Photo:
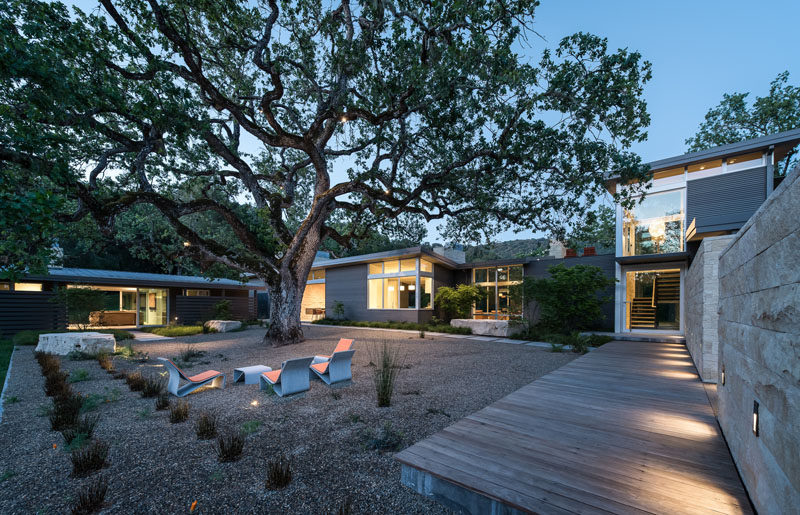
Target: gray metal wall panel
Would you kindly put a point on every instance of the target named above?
(727, 200)
(29, 310)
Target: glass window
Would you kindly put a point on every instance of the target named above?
(502, 274)
(408, 265)
(390, 267)
(653, 299)
(5, 286)
(111, 301)
(128, 301)
(197, 293)
(319, 274)
(28, 286)
(375, 293)
(707, 165)
(375, 268)
(425, 266)
(390, 293)
(484, 275)
(426, 292)
(756, 156)
(515, 273)
(408, 292)
(654, 226)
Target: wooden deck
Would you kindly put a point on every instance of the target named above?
(624, 429)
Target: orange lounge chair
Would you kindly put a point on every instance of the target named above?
(343, 345)
(212, 377)
(337, 369)
(291, 378)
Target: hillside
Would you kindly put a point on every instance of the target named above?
(507, 249)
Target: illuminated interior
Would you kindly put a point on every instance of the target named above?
(400, 284)
(655, 226)
(502, 299)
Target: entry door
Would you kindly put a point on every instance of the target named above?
(653, 300)
(152, 306)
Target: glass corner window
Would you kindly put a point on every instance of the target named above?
(375, 268)
(425, 265)
(654, 226)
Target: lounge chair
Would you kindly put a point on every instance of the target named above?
(343, 345)
(337, 369)
(291, 378)
(209, 377)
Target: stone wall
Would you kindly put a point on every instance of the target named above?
(759, 350)
(702, 301)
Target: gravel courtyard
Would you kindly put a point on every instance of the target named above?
(159, 467)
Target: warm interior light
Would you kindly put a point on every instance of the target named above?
(412, 287)
(657, 230)
(254, 403)
(343, 119)
(186, 244)
(402, 288)
(755, 418)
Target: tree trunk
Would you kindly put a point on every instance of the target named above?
(284, 313)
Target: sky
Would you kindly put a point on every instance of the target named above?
(699, 50)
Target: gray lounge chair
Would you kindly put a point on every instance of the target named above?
(207, 378)
(337, 369)
(344, 344)
(291, 378)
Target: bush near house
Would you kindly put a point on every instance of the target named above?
(409, 326)
(457, 302)
(175, 330)
(80, 303)
(6, 348)
(31, 337)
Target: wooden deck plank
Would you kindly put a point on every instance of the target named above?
(625, 429)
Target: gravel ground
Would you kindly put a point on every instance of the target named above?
(159, 467)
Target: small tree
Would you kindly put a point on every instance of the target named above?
(338, 310)
(222, 310)
(81, 303)
(457, 302)
(571, 298)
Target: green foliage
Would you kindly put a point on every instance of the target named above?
(507, 249)
(179, 412)
(457, 302)
(389, 363)
(31, 337)
(7, 474)
(90, 499)
(79, 375)
(571, 298)
(162, 401)
(279, 473)
(6, 349)
(206, 426)
(338, 310)
(734, 120)
(89, 458)
(81, 303)
(597, 228)
(406, 326)
(230, 446)
(176, 330)
(384, 439)
(251, 426)
(556, 347)
(222, 310)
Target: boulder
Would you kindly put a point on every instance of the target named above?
(483, 327)
(64, 343)
(223, 326)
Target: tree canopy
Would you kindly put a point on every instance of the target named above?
(257, 131)
(735, 119)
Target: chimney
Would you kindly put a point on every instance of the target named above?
(557, 249)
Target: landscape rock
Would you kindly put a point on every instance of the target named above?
(88, 342)
(483, 327)
(223, 326)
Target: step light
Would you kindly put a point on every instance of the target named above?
(755, 418)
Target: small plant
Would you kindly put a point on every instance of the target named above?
(230, 446)
(268, 390)
(77, 441)
(89, 459)
(346, 508)
(153, 387)
(65, 412)
(555, 347)
(338, 310)
(135, 381)
(79, 375)
(49, 363)
(422, 335)
(206, 426)
(90, 500)
(91, 402)
(144, 413)
(55, 384)
(79, 355)
(105, 362)
(85, 426)
(162, 401)
(355, 418)
(279, 473)
(6, 475)
(179, 412)
(336, 395)
(437, 411)
(385, 439)
(190, 353)
(222, 310)
(13, 399)
(389, 362)
(251, 426)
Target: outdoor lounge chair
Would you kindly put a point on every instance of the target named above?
(337, 369)
(291, 378)
(207, 378)
(343, 345)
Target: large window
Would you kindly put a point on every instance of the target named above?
(654, 226)
(502, 298)
(28, 286)
(197, 293)
(400, 284)
(316, 275)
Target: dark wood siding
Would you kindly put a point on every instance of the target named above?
(348, 285)
(29, 310)
(604, 262)
(725, 202)
(197, 309)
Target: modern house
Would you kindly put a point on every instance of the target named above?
(132, 299)
(696, 197)
(401, 285)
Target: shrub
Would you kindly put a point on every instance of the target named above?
(105, 362)
(222, 310)
(81, 302)
(571, 298)
(55, 384)
(389, 362)
(596, 340)
(79, 355)
(79, 375)
(251, 426)
(190, 353)
(153, 387)
(279, 473)
(65, 412)
(177, 330)
(384, 439)
(120, 375)
(206, 426)
(230, 446)
(48, 363)
(338, 310)
(457, 302)
(89, 459)
(90, 500)
(555, 347)
(578, 343)
(408, 326)
(84, 426)
(162, 401)
(346, 508)
(179, 412)
(135, 381)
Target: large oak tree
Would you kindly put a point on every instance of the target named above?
(257, 130)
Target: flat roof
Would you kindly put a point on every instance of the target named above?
(782, 141)
(380, 256)
(116, 277)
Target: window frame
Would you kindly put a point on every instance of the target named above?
(417, 274)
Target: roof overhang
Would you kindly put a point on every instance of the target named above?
(166, 282)
(673, 257)
(383, 256)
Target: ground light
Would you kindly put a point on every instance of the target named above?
(722, 375)
(254, 403)
(755, 418)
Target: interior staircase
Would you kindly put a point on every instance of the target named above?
(666, 289)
